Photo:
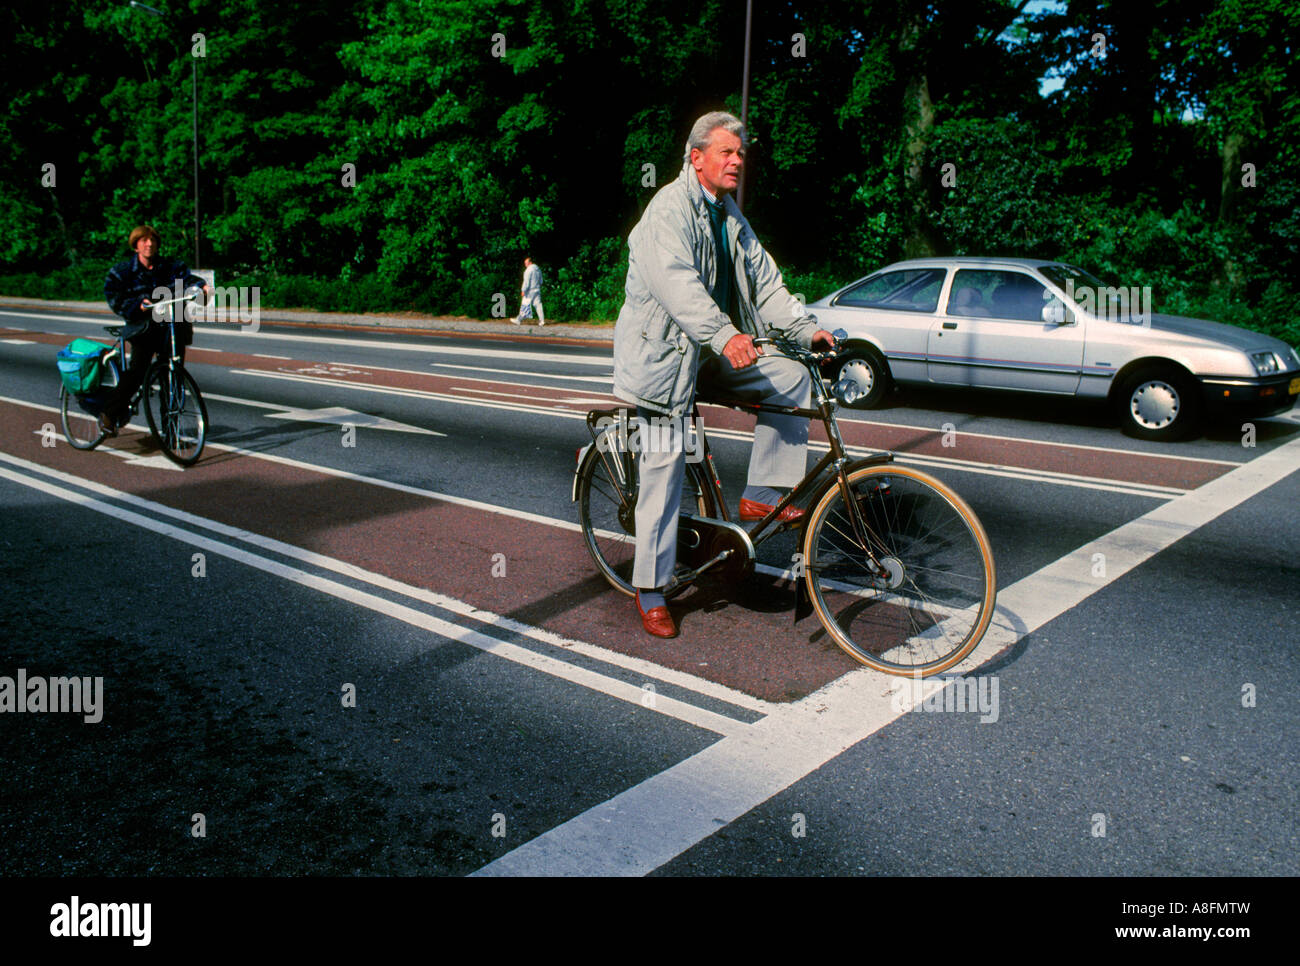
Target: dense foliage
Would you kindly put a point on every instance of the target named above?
(399, 154)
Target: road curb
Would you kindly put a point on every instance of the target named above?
(406, 324)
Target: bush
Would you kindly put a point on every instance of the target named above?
(61, 284)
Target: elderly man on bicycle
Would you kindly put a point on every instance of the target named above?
(130, 290)
(700, 289)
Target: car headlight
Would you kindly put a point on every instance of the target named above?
(1267, 363)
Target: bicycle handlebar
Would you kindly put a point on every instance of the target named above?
(182, 298)
(798, 352)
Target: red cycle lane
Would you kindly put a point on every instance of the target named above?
(751, 645)
(1155, 469)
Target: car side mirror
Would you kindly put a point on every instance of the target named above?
(1054, 313)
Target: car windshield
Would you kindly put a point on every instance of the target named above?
(1059, 275)
(1120, 304)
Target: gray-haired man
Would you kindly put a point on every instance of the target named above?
(700, 289)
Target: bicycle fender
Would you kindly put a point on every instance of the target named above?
(577, 470)
(802, 602)
(875, 459)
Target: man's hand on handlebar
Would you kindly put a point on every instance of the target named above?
(741, 351)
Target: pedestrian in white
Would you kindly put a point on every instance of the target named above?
(530, 294)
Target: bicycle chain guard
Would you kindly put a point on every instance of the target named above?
(701, 540)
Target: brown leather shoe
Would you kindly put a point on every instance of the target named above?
(657, 620)
(751, 510)
(106, 425)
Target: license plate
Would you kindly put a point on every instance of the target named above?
(1294, 388)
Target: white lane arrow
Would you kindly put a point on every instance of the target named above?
(158, 462)
(340, 416)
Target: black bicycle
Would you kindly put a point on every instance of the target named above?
(173, 405)
(895, 564)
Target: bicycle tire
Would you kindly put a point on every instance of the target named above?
(79, 427)
(933, 604)
(179, 422)
(608, 523)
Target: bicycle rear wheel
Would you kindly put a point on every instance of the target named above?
(80, 427)
(607, 492)
(931, 601)
(176, 413)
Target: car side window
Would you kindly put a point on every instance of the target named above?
(912, 290)
(997, 293)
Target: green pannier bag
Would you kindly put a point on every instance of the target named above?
(79, 365)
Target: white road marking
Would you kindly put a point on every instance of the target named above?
(607, 380)
(653, 822)
(613, 687)
(987, 469)
(1043, 442)
(17, 341)
(486, 351)
(349, 417)
(1293, 416)
(155, 462)
(588, 401)
(680, 678)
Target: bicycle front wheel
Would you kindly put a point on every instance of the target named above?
(176, 413)
(607, 494)
(80, 427)
(921, 599)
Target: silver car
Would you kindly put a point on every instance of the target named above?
(1041, 326)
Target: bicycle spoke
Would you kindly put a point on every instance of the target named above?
(921, 603)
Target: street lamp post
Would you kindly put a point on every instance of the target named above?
(744, 97)
(195, 100)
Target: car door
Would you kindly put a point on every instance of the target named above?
(894, 309)
(992, 334)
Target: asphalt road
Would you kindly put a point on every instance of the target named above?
(361, 636)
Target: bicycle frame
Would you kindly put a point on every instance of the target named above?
(170, 359)
(837, 459)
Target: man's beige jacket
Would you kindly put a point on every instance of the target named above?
(669, 317)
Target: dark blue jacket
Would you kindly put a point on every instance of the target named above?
(129, 282)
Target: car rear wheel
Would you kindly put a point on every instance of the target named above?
(869, 371)
(1159, 403)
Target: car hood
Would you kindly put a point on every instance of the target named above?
(1217, 332)
(1183, 329)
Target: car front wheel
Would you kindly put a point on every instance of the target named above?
(1160, 403)
(869, 372)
